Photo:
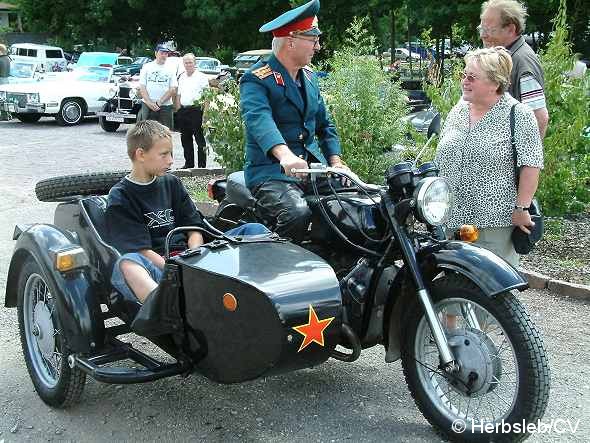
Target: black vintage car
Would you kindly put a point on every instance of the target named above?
(122, 107)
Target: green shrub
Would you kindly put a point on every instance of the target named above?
(565, 182)
(223, 122)
(367, 107)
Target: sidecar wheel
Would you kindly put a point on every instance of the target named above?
(58, 188)
(43, 344)
(504, 375)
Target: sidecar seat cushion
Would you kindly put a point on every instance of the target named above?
(118, 280)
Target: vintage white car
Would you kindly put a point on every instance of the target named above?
(69, 96)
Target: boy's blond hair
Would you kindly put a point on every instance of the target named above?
(144, 134)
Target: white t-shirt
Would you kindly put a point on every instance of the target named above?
(157, 79)
(190, 88)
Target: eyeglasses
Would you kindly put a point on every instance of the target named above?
(487, 31)
(469, 77)
(315, 41)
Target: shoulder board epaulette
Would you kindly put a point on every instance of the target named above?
(262, 72)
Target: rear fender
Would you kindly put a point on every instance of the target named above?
(78, 309)
(486, 270)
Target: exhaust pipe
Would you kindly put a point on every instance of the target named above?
(354, 342)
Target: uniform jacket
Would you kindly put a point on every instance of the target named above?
(274, 112)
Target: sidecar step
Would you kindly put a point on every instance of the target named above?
(154, 370)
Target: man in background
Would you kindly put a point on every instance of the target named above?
(502, 24)
(189, 115)
(157, 86)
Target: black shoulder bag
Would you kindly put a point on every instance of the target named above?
(523, 242)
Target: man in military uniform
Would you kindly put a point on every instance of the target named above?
(287, 123)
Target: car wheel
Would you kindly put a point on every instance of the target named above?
(58, 188)
(104, 123)
(44, 347)
(28, 118)
(71, 112)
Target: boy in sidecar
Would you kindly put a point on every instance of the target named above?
(145, 206)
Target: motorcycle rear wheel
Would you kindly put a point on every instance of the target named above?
(498, 346)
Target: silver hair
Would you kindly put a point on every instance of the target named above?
(277, 44)
(189, 55)
(511, 12)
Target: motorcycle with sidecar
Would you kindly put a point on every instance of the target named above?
(240, 308)
(470, 352)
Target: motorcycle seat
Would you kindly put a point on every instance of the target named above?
(237, 192)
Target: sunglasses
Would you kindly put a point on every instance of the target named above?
(469, 77)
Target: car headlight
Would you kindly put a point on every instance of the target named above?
(434, 200)
(3, 96)
(132, 93)
(33, 97)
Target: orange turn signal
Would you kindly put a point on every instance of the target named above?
(229, 302)
(468, 233)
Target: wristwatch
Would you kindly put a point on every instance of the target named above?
(521, 208)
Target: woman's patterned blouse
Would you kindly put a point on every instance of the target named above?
(478, 161)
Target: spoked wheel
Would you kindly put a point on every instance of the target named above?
(504, 373)
(43, 346)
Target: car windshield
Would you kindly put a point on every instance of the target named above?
(207, 65)
(92, 74)
(22, 70)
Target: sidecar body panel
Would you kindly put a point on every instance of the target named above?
(255, 309)
(79, 309)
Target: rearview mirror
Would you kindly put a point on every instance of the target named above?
(434, 126)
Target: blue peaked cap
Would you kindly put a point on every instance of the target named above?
(301, 20)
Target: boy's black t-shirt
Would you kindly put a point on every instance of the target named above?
(139, 216)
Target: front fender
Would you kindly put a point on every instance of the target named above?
(489, 272)
(79, 312)
(486, 270)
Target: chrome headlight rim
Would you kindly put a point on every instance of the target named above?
(33, 98)
(423, 188)
(3, 96)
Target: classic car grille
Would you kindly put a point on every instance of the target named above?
(124, 92)
(18, 98)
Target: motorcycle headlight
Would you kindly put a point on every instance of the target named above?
(434, 200)
(33, 97)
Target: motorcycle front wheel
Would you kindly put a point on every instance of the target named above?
(503, 380)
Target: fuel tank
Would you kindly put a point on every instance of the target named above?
(259, 308)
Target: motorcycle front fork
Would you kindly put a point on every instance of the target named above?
(447, 359)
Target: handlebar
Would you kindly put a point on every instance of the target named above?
(320, 169)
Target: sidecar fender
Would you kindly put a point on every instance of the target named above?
(79, 312)
(486, 270)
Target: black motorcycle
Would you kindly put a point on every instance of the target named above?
(471, 355)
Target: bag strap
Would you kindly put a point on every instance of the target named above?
(513, 143)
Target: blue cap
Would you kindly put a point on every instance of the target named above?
(162, 47)
(301, 21)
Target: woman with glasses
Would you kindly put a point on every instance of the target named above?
(475, 154)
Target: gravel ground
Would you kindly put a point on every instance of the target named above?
(564, 252)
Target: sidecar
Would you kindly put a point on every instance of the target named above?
(234, 309)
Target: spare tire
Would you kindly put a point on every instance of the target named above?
(59, 188)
